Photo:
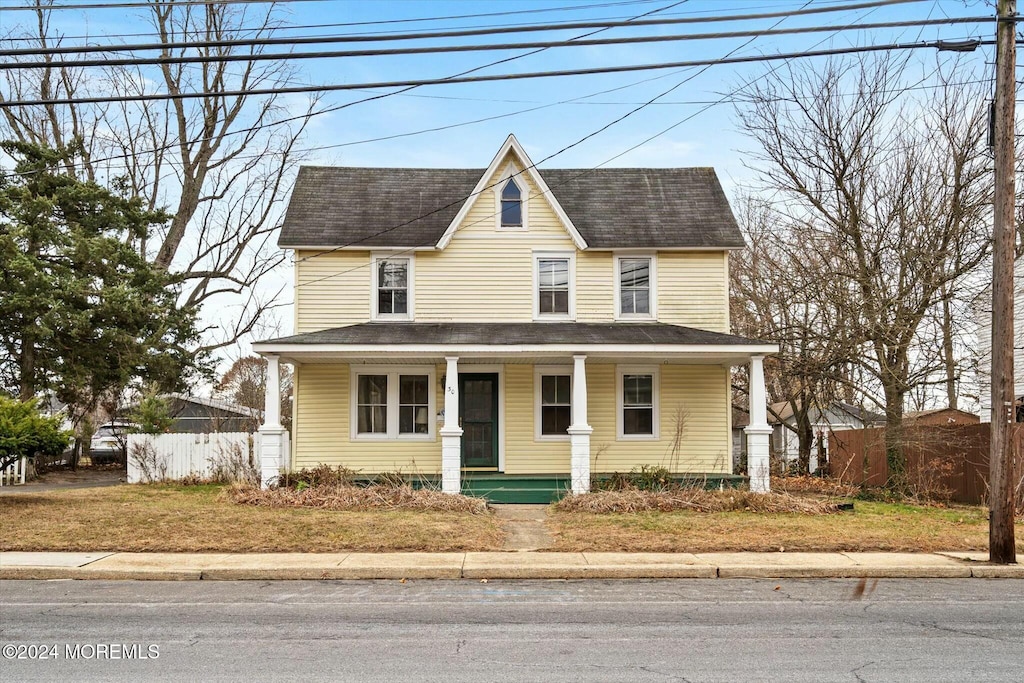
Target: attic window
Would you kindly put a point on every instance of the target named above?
(511, 205)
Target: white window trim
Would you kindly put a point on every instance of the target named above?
(375, 257)
(619, 315)
(393, 372)
(524, 193)
(538, 372)
(558, 317)
(655, 373)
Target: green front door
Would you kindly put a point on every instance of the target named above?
(478, 415)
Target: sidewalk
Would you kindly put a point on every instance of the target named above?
(497, 565)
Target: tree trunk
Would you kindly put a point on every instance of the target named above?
(949, 362)
(894, 455)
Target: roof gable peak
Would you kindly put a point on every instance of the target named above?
(512, 147)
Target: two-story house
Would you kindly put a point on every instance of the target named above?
(511, 331)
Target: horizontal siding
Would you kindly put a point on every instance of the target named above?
(699, 391)
(332, 289)
(693, 289)
(524, 454)
(595, 286)
(322, 433)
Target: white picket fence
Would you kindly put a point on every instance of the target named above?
(166, 457)
(14, 473)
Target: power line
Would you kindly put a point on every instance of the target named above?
(298, 27)
(935, 44)
(285, 56)
(313, 40)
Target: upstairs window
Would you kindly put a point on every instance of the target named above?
(635, 285)
(553, 295)
(511, 205)
(392, 282)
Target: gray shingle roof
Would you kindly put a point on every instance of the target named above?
(512, 334)
(412, 207)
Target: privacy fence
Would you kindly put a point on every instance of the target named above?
(951, 459)
(220, 456)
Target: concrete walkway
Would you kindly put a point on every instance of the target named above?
(496, 565)
(524, 526)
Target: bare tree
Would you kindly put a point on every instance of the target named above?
(894, 192)
(221, 164)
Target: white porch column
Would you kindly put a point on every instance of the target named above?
(273, 439)
(579, 430)
(759, 432)
(451, 432)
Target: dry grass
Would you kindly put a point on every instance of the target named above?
(168, 518)
(693, 499)
(335, 497)
(871, 527)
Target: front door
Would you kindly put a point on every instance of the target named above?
(478, 417)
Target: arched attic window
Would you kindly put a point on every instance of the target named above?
(511, 205)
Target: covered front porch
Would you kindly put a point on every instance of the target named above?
(476, 406)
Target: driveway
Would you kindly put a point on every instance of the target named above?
(83, 478)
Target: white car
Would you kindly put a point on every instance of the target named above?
(110, 443)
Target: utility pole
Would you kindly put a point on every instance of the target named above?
(1001, 542)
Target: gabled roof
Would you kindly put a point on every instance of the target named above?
(413, 207)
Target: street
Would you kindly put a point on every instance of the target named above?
(693, 630)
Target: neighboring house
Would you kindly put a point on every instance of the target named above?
(837, 416)
(199, 415)
(983, 318)
(939, 416)
(511, 330)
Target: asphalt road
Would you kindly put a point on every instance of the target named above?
(699, 630)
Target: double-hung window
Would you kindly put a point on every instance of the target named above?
(554, 403)
(635, 286)
(638, 403)
(392, 284)
(393, 404)
(553, 283)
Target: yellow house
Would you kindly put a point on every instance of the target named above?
(511, 331)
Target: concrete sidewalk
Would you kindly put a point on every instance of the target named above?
(497, 565)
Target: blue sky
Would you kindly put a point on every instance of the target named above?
(709, 138)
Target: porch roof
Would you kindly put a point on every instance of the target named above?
(535, 339)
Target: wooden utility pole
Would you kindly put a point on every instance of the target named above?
(1001, 544)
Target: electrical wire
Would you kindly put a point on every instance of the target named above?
(441, 49)
(312, 40)
(939, 44)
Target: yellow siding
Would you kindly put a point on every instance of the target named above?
(486, 274)
(323, 436)
(332, 289)
(693, 289)
(524, 453)
(595, 286)
(701, 392)
(698, 391)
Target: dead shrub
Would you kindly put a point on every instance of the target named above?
(233, 464)
(152, 466)
(348, 497)
(321, 475)
(694, 499)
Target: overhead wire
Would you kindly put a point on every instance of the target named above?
(444, 49)
(933, 44)
(314, 40)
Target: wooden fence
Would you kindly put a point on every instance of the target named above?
(166, 457)
(950, 458)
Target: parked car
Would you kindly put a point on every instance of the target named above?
(110, 443)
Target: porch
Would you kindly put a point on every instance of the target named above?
(495, 405)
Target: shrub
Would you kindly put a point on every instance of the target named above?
(643, 478)
(24, 432)
(152, 415)
(693, 498)
(321, 475)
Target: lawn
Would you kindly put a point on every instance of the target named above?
(169, 518)
(871, 526)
